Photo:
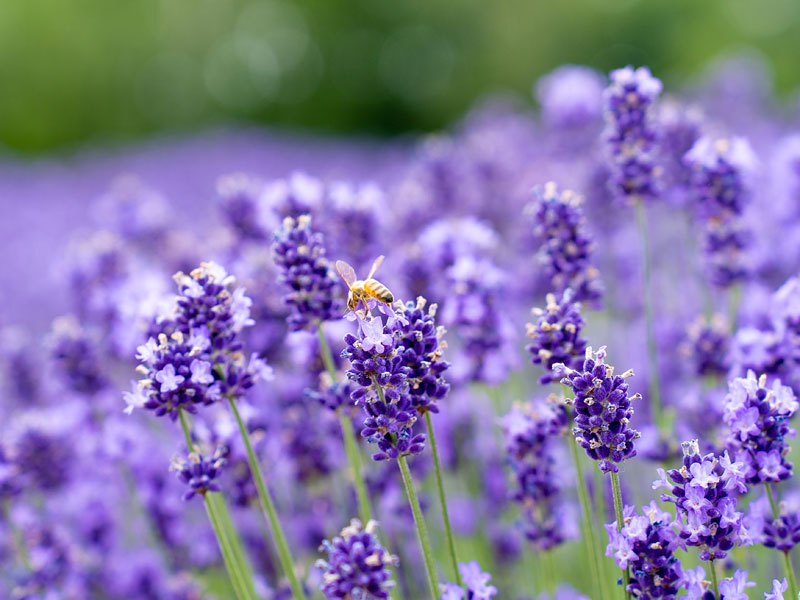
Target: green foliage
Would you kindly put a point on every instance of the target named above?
(89, 70)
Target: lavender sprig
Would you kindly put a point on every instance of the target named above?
(603, 410)
(357, 567)
(565, 245)
(646, 545)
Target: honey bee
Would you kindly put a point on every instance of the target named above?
(363, 290)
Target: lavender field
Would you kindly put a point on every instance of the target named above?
(574, 375)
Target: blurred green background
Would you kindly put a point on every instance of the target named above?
(78, 71)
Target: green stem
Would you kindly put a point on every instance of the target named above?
(617, 491)
(445, 516)
(268, 507)
(587, 522)
(549, 571)
(237, 548)
(187, 432)
(733, 306)
(327, 355)
(229, 543)
(225, 547)
(422, 531)
(350, 444)
(351, 448)
(714, 581)
(787, 560)
(652, 345)
(607, 568)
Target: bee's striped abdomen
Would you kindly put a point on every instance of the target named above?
(378, 291)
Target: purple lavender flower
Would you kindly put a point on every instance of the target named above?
(76, 357)
(565, 246)
(336, 395)
(196, 357)
(570, 96)
(706, 346)
(377, 366)
(785, 306)
(762, 351)
(242, 208)
(720, 173)
(353, 220)
(10, 482)
(602, 408)
(134, 210)
(758, 419)
(735, 588)
(778, 587)
(476, 582)
(296, 195)
(630, 133)
(785, 316)
(55, 565)
(703, 490)
(530, 431)
(474, 311)
(782, 533)
(40, 452)
(556, 334)
(679, 125)
(419, 342)
(199, 473)
(299, 252)
(358, 566)
(646, 546)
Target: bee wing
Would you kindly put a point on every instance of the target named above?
(375, 266)
(347, 272)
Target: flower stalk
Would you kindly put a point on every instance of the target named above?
(422, 530)
(451, 545)
(787, 559)
(268, 507)
(350, 443)
(654, 382)
(229, 544)
(617, 491)
(587, 523)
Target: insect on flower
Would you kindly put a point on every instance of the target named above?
(366, 289)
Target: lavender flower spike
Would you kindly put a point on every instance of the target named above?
(299, 252)
(530, 431)
(358, 567)
(195, 357)
(565, 245)
(556, 335)
(630, 133)
(758, 418)
(377, 366)
(199, 473)
(603, 410)
(721, 170)
(646, 545)
(702, 491)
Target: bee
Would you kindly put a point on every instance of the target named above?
(363, 290)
